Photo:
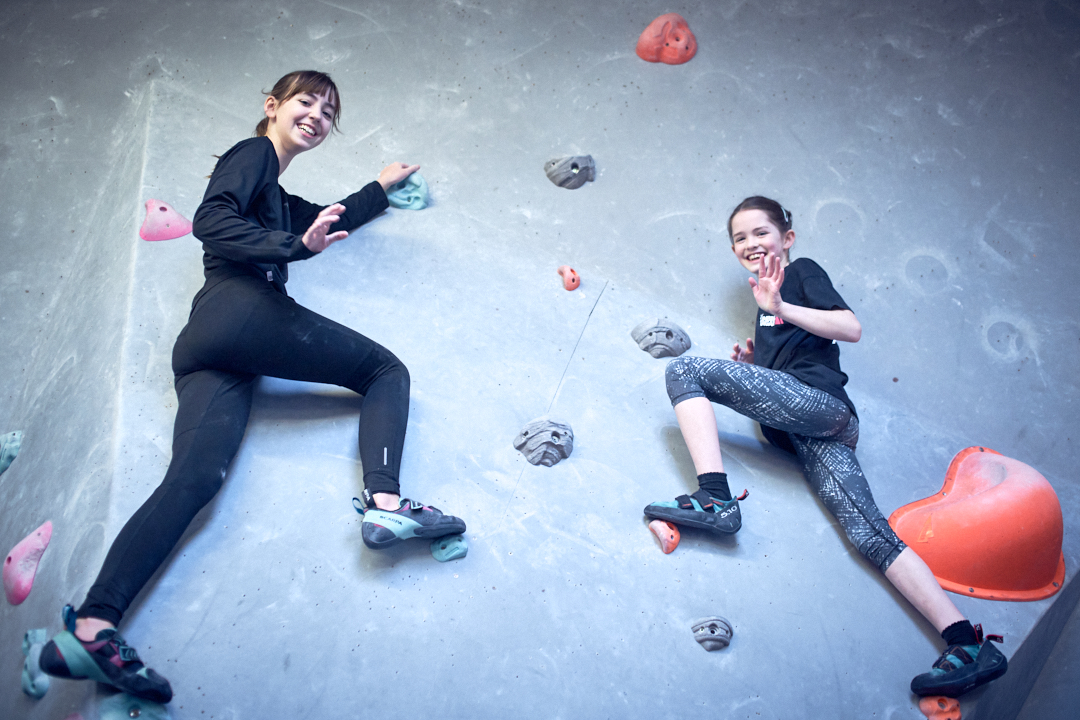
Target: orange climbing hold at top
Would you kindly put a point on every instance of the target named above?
(993, 531)
(667, 39)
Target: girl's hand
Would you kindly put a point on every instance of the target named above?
(741, 355)
(316, 239)
(394, 173)
(767, 285)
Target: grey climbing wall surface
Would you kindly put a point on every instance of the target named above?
(927, 152)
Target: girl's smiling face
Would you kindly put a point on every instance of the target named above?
(753, 236)
(300, 123)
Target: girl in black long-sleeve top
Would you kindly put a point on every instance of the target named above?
(242, 325)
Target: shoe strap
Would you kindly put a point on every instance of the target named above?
(699, 501)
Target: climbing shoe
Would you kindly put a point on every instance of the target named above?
(701, 511)
(381, 528)
(107, 659)
(962, 668)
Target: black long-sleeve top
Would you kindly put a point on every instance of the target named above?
(246, 220)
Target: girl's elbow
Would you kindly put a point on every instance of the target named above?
(855, 333)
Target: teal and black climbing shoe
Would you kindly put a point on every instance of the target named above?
(107, 659)
(381, 528)
(701, 511)
(962, 668)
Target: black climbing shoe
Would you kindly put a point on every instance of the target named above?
(381, 528)
(107, 659)
(698, 510)
(962, 668)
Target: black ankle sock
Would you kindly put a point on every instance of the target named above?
(960, 633)
(715, 484)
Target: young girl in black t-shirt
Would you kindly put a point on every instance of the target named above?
(788, 379)
(242, 325)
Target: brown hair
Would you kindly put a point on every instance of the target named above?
(303, 81)
(778, 214)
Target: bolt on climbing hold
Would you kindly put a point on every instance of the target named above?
(667, 39)
(21, 564)
(666, 533)
(449, 547)
(571, 172)
(661, 338)
(713, 633)
(570, 278)
(163, 222)
(409, 194)
(545, 442)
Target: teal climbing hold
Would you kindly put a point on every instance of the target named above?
(409, 194)
(450, 547)
(125, 707)
(9, 448)
(34, 682)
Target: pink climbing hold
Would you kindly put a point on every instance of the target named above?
(21, 564)
(162, 222)
(667, 534)
(570, 279)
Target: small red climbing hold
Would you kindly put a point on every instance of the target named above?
(570, 279)
(666, 533)
(21, 564)
(938, 707)
(667, 39)
(162, 222)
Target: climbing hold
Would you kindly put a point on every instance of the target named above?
(713, 633)
(409, 194)
(21, 564)
(545, 441)
(667, 39)
(938, 707)
(661, 338)
(9, 448)
(666, 533)
(449, 547)
(126, 707)
(162, 222)
(993, 531)
(570, 278)
(34, 681)
(571, 172)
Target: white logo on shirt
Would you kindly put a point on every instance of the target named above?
(770, 321)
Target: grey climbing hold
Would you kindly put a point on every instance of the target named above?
(34, 682)
(661, 338)
(571, 172)
(713, 633)
(125, 707)
(449, 547)
(409, 194)
(545, 441)
(9, 448)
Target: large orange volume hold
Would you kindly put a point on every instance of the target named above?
(667, 39)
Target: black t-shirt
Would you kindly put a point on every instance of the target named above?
(784, 346)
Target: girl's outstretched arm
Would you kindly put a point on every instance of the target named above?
(829, 324)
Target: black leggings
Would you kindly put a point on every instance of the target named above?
(240, 329)
(821, 428)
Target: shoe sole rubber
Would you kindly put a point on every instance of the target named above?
(694, 518)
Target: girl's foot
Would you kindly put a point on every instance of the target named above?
(962, 668)
(381, 528)
(107, 659)
(701, 511)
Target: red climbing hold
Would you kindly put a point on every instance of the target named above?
(667, 39)
(21, 564)
(162, 222)
(666, 533)
(570, 279)
(938, 707)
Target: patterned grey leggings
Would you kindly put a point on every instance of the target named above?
(821, 429)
